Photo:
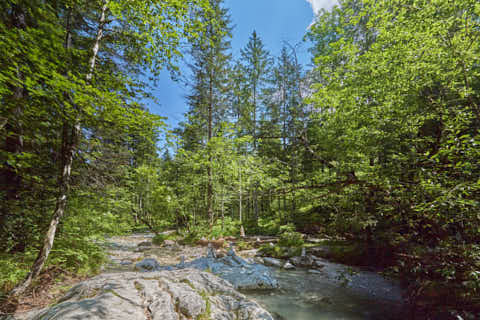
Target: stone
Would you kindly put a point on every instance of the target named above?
(314, 271)
(165, 295)
(211, 252)
(318, 264)
(169, 243)
(302, 262)
(288, 266)
(231, 251)
(145, 244)
(241, 274)
(148, 264)
(272, 262)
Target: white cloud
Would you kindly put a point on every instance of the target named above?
(321, 4)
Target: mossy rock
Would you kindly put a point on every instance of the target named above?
(279, 252)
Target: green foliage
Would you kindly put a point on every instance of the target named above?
(244, 245)
(279, 252)
(291, 239)
(79, 255)
(269, 226)
(13, 269)
(397, 98)
(227, 227)
(158, 239)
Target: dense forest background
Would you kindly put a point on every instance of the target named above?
(378, 142)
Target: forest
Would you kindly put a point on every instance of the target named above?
(376, 142)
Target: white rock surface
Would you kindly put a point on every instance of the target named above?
(164, 295)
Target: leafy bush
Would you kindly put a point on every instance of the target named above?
(269, 226)
(12, 270)
(291, 239)
(79, 255)
(161, 237)
(230, 227)
(192, 237)
(279, 252)
(244, 245)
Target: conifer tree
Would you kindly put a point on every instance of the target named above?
(209, 87)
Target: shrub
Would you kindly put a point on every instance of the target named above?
(291, 239)
(12, 271)
(279, 252)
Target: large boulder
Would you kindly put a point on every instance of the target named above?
(272, 262)
(165, 295)
(147, 265)
(303, 261)
(241, 274)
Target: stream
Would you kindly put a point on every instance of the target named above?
(334, 292)
(328, 295)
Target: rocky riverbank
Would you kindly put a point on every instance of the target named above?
(174, 281)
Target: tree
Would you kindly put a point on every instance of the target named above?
(255, 64)
(209, 86)
(403, 109)
(83, 94)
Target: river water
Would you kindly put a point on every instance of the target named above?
(338, 292)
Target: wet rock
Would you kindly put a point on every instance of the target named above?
(306, 261)
(314, 271)
(272, 262)
(240, 273)
(314, 298)
(145, 244)
(166, 295)
(288, 266)
(147, 265)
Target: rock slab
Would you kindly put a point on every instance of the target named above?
(162, 295)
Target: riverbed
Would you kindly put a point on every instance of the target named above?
(333, 292)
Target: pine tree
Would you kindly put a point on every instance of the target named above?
(255, 64)
(208, 99)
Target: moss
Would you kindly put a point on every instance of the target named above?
(188, 282)
(90, 294)
(206, 315)
(244, 245)
(138, 286)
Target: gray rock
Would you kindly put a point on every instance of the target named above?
(147, 265)
(314, 271)
(166, 295)
(237, 271)
(318, 264)
(288, 266)
(145, 244)
(169, 243)
(302, 262)
(272, 262)
(234, 269)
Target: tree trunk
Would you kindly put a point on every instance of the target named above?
(223, 208)
(254, 117)
(242, 231)
(70, 138)
(255, 204)
(210, 160)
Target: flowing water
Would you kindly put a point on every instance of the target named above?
(338, 292)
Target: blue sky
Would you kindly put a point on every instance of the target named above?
(275, 21)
